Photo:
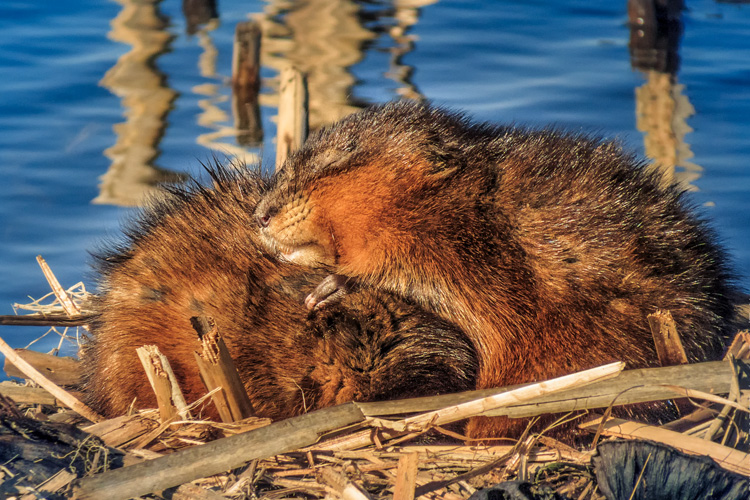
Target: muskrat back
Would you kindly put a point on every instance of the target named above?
(548, 249)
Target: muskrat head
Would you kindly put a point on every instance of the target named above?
(292, 228)
(313, 220)
(360, 192)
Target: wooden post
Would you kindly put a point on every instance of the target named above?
(246, 83)
(292, 120)
(218, 370)
(198, 12)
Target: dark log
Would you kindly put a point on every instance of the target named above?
(627, 469)
(46, 320)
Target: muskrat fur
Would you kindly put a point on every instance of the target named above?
(547, 249)
(196, 253)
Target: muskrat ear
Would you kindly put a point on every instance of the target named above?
(443, 160)
(332, 159)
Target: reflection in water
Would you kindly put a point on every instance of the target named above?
(406, 15)
(662, 109)
(322, 38)
(213, 117)
(197, 13)
(147, 101)
(246, 83)
(325, 38)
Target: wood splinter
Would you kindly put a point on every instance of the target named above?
(65, 301)
(217, 369)
(667, 339)
(406, 476)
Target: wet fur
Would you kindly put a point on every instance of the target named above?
(548, 249)
(197, 253)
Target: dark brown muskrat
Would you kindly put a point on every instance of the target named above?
(197, 253)
(548, 250)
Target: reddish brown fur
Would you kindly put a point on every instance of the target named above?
(197, 253)
(548, 250)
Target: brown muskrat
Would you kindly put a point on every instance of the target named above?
(548, 249)
(197, 253)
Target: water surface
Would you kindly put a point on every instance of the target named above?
(98, 100)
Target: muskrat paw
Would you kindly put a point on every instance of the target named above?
(330, 290)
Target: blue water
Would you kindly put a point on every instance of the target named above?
(535, 63)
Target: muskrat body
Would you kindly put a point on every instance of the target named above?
(197, 254)
(548, 250)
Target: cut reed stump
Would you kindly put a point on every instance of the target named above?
(218, 371)
(163, 381)
(406, 477)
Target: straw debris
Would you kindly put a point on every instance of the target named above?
(360, 451)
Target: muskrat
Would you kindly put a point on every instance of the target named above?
(196, 253)
(547, 249)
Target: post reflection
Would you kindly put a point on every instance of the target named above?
(146, 99)
(322, 38)
(662, 107)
